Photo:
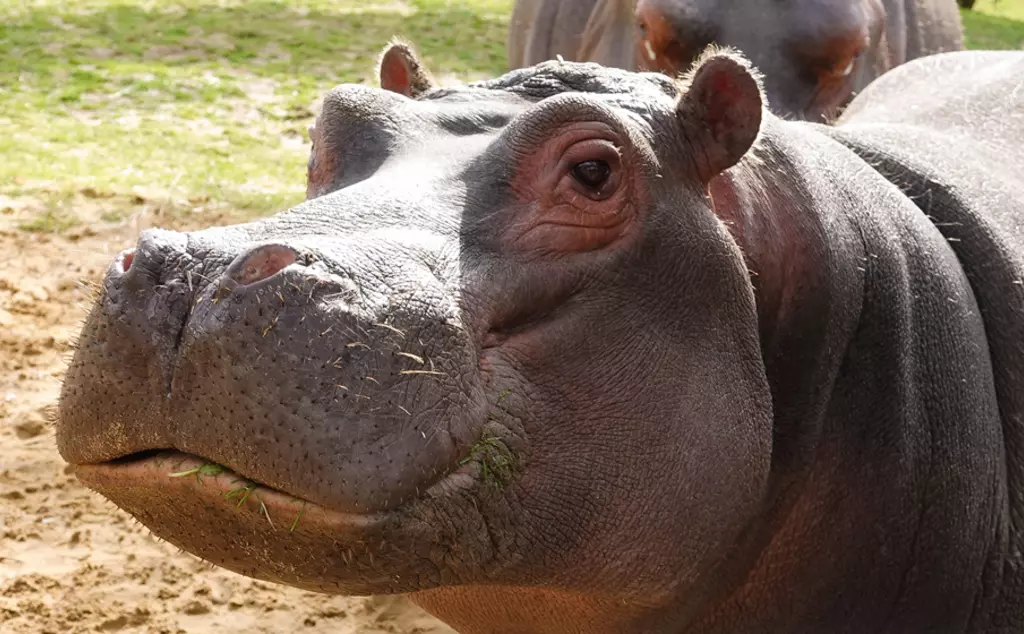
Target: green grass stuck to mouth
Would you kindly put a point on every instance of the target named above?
(205, 469)
(497, 461)
(241, 493)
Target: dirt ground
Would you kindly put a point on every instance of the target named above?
(69, 561)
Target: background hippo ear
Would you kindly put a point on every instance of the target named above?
(402, 71)
(720, 108)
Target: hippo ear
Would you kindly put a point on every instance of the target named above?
(720, 110)
(402, 71)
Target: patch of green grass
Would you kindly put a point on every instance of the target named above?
(202, 98)
(56, 218)
(994, 24)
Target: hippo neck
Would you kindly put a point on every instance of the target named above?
(850, 278)
(523, 610)
(807, 296)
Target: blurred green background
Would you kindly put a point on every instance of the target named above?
(204, 104)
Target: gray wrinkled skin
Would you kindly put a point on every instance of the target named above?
(783, 397)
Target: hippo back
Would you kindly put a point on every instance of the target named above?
(956, 148)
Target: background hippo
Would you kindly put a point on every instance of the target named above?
(582, 350)
(814, 53)
(601, 31)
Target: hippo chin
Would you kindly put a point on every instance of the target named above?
(584, 350)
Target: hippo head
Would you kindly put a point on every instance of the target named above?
(505, 344)
(812, 52)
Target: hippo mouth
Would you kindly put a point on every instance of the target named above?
(284, 428)
(208, 484)
(259, 531)
(194, 480)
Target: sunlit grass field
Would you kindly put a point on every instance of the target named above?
(995, 24)
(200, 104)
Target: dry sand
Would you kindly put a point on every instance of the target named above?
(71, 562)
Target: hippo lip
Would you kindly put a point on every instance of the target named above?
(175, 473)
(264, 533)
(159, 473)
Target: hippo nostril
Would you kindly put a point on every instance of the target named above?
(261, 263)
(127, 258)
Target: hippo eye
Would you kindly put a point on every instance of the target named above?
(845, 68)
(842, 67)
(592, 168)
(591, 174)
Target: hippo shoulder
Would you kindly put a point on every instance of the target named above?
(956, 149)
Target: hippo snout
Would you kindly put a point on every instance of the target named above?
(311, 367)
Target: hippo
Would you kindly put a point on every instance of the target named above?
(815, 54)
(601, 31)
(579, 349)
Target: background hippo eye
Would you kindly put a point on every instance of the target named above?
(847, 68)
(591, 174)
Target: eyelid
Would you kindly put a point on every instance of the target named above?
(591, 148)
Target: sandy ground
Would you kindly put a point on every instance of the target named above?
(71, 562)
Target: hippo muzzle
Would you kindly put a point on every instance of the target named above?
(298, 372)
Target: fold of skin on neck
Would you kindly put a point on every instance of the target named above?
(871, 339)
